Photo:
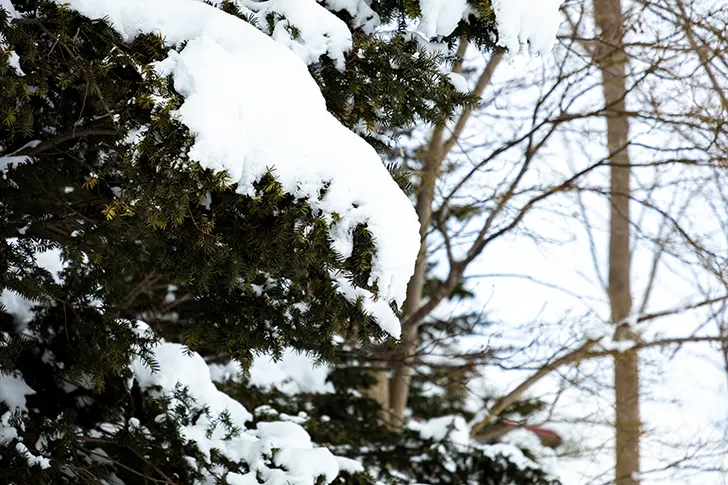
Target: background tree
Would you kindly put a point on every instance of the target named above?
(541, 162)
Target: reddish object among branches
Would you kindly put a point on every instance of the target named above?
(548, 437)
(491, 433)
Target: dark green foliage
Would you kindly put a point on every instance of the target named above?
(135, 221)
(146, 233)
(479, 27)
(379, 91)
(136, 208)
(346, 423)
(391, 80)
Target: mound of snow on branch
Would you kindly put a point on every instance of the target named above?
(252, 105)
(520, 22)
(361, 13)
(527, 22)
(13, 59)
(454, 429)
(317, 31)
(293, 373)
(284, 443)
(440, 17)
(13, 390)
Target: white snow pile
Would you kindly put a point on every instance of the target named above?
(532, 23)
(362, 14)
(284, 443)
(13, 391)
(387, 320)
(252, 105)
(527, 440)
(454, 429)
(16, 304)
(318, 31)
(440, 17)
(13, 59)
(450, 428)
(293, 373)
(9, 161)
(458, 82)
(231, 371)
(13, 160)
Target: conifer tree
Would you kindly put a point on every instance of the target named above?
(118, 247)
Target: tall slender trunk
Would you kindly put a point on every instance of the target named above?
(393, 397)
(612, 61)
(402, 375)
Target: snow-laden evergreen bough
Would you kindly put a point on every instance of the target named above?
(251, 105)
(171, 174)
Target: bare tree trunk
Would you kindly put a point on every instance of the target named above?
(402, 376)
(392, 393)
(380, 393)
(394, 399)
(612, 61)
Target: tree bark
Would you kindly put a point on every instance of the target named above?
(612, 61)
(394, 398)
(402, 375)
(414, 311)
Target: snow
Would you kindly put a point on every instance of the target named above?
(223, 373)
(520, 22)
(238, 479)
(293, 373)
(285, 443)
(12, 161)
(532, 22)
(252, 105)
(41, 461)
(362, 14)
(386, 319)
(297, 453)
(459, 82)
(13, 59)
(16, 304)
(524, 439)
(348, 465)
(190, 370)
(440, 17)
(13, 390)
(319, 31)
(453, 428)
(14, 62)
(511, 453)
(7, 433)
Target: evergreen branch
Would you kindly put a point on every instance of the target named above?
(64, 137)
(164, 480)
